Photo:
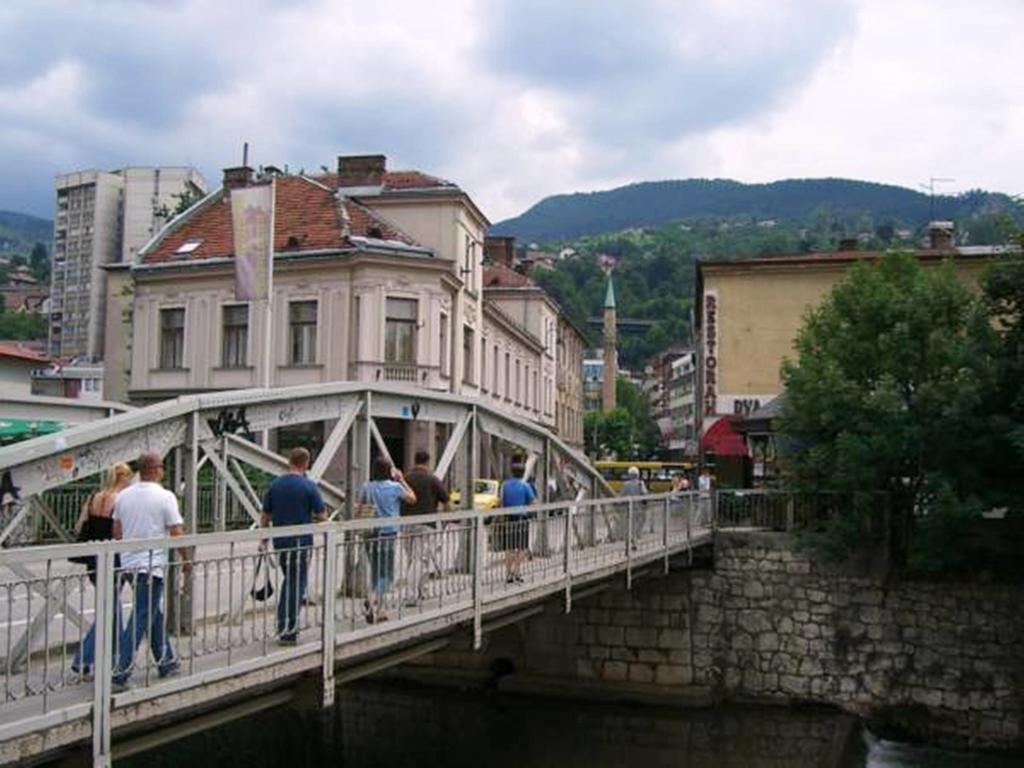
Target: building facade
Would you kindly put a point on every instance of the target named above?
(377, 277)
(682, 383)
(102, 218)
(749, 312)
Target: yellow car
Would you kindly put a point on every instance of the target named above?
(485, 495)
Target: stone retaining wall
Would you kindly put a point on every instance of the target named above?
(944, 660)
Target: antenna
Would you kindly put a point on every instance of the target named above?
(930, 189)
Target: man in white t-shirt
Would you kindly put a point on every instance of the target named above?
(146, 510)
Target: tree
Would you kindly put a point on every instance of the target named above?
(608, 433)
(183, 201)
(22, 326)
(892, 374)
(39, 263)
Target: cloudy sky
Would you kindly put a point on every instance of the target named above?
(517, 99)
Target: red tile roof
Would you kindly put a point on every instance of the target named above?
(21, 352)
(306, 218)
(500, 276)
(396, 181)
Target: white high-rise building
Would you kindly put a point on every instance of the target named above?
(102, 218)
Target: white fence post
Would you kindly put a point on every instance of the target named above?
(104, 658)
(329, 609)
(478, 565)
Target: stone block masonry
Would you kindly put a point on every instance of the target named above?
(768, 623)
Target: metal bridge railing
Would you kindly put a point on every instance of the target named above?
(229, 599)
(779, 510)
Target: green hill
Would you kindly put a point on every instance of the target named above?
(20, 231)
(652, 203)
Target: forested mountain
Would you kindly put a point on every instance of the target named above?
(652, 203)
(20, 231)
(654, 274)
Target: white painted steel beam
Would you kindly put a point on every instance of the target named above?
(451, 449)
(335, 439)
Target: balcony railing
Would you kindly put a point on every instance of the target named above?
(398, 373)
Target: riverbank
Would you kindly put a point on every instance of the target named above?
(942, 663)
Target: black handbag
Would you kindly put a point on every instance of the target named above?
(264, 593)
(85, 533)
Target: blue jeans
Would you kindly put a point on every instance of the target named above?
(147, 619)
(381, 551)
(85, 656)
(295, 569)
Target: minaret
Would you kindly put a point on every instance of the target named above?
(611, 361)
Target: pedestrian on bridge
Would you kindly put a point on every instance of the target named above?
(635, 486)
(421, 541)
(514, 536)
(386, 491)
(96, 523)
(147, 510)
(292, 499)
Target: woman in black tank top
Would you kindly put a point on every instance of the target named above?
(96, 523)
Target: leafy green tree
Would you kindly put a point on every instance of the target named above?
(627, 431)
(22, 326)
(892, 373)
(39, 263)
(609, 433)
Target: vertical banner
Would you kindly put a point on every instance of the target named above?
(252, 219)
(710, 392)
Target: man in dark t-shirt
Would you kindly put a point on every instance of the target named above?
(422, 542)
(292, 499)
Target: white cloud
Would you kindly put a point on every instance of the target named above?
(515, 101)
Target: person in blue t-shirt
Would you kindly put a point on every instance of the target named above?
(386, 490)
(292, 499)
(514, 538)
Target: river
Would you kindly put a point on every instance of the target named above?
(386, 725)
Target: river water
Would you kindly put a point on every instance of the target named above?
(385, 725)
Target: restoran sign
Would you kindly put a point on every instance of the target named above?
(710, 391)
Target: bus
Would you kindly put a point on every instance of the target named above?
(657, 475)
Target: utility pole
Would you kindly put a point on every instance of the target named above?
(930, 188)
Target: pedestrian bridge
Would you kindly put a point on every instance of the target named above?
(450, 571)
(450, 576)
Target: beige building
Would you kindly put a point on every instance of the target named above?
(555, 381)
(749, 312)
(102, 218)
(378, 277)
(569, 382)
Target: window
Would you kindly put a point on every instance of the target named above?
(445, 352)
(494, 373)
(526, 391)
(172, 338)
(518, 383)
(469, 259)
(400, 330)
(235, 340)
(536, 393)
(483, 364)
(468, 345)
(302, 332)
(508, 376)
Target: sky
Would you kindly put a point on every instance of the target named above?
(515, 100)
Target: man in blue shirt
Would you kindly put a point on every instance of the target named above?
(514, 538)
(292, 499)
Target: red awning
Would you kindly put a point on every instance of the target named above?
(723, 440)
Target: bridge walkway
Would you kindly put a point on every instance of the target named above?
(226, 641)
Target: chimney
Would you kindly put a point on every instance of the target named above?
(235, 178)
(848, 244)
(361, 170)
(500, 250)
(940, 235)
